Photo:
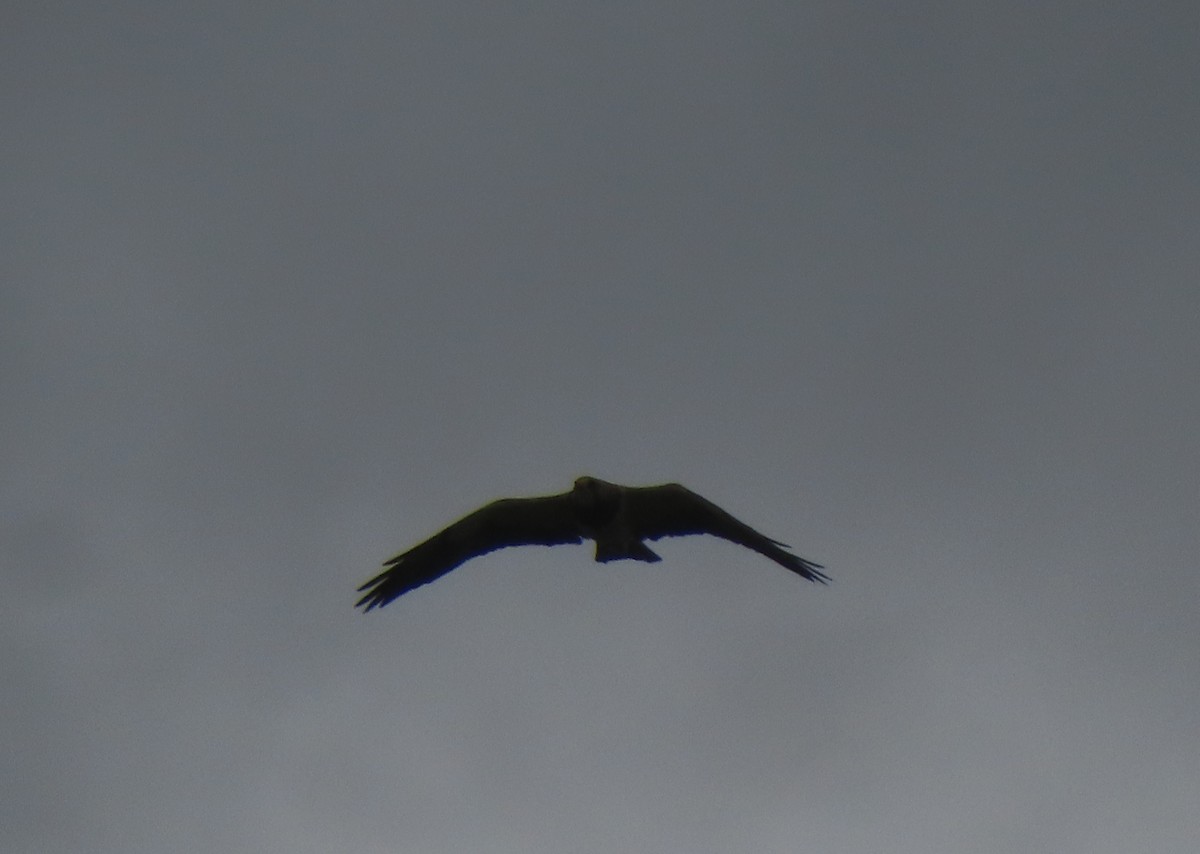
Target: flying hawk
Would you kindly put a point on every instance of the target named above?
(617, 517)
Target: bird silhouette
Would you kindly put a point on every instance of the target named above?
(619, 519)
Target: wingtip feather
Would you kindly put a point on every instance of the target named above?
(814, 572)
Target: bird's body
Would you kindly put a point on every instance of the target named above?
(618, 518)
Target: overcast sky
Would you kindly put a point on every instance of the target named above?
(288, 287)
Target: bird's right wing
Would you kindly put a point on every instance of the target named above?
(545, 521)
(673, 510)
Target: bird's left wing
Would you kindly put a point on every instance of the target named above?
(545, 521)
(673, 510)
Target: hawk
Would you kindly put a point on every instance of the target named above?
(618, 518)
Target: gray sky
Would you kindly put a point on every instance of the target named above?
(288, 287)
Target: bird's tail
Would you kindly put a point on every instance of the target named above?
(637, 550)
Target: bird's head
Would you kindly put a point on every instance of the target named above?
(596, 499)
(587, 483)
(586, 488)
(593, 489)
